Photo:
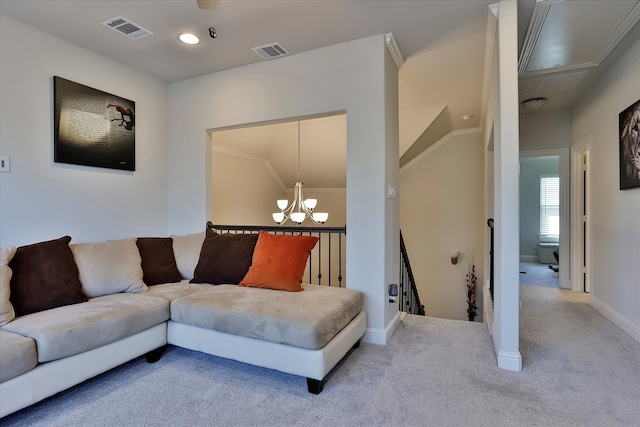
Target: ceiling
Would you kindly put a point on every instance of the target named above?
(563, 43)
(323, 150)
(566, 45)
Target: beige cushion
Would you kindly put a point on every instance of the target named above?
(307, 319)
(6, 309)
(109, 267)
(72, 329)
(172, 291)
(17, 355)
(186, 249)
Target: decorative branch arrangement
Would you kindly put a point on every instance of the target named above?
(470, 282)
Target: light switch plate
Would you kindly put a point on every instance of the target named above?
(5, 164)
(391, 191)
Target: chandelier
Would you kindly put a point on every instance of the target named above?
(300, 208)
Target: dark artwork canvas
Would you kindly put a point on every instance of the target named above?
(92, 127)
(629, 123)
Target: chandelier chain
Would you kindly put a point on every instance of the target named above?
(300, 208)
(298, 150)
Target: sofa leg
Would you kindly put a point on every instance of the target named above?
(154, 355)
(315, 386)
(357, 344)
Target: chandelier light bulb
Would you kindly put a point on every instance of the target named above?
(311, 203)
(320, 217)
(278, 217)
(297, 217)
(282, 204)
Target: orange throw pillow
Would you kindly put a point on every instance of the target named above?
(279, 261)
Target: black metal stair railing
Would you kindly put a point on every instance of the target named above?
(408, 295)
(325, 264)
(490, 224)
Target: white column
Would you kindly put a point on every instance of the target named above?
(506, 202)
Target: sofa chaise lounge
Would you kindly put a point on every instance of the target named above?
(138, 295)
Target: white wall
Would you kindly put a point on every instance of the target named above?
(616, 214)
(442, 204)
(352, 77)
(530, 171)
(40, 199)
(545, 130)
(243, 191)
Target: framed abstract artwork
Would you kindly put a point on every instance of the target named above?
(629, 126)
(92, 127)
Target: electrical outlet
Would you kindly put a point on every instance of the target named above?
(5, 164)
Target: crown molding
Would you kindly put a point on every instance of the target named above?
(627, 24)
(272, 171)
(394, 50)
(241, 155)
(540, 11)
(321, 190)
(493, 8)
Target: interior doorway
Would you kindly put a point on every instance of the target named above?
(544, 221)
(255, 165)
(581, 216)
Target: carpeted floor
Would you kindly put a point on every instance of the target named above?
(536, 274)
(579, 370)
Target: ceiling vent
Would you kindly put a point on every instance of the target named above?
(550, 84)
(126, 27)
(270, 51)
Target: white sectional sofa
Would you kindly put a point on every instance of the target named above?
(123, 315)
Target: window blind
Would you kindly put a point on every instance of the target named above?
(549, 205)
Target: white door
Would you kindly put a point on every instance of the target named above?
(581, 213)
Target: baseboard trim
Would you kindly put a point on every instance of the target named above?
(488, 307)
(618, 320)
(528, 258)
(510, 361)
(382, 336)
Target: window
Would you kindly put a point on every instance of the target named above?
(550, 205)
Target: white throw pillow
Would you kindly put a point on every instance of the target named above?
(109, 267)
(7, 314)
(186, 250)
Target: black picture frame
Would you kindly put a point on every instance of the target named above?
(92, 127)
(629, 132)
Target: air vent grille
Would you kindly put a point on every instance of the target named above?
(270, 51)
(550, 84)
(126, 27)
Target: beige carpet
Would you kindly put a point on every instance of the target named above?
(534, 273)
(579, 370)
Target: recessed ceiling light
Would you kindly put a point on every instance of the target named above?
(187, 38)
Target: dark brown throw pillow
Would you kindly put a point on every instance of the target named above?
(225, 259)
(158, 262)
(45, 276)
